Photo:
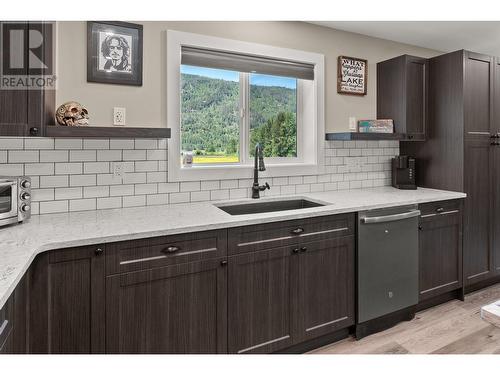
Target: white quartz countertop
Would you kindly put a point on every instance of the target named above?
(19, 244)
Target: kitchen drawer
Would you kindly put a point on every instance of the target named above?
(163, 251)
(6, 326)
(266, 236)
(432, 209)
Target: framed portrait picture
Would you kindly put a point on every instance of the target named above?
(114, 53)
(352, 75)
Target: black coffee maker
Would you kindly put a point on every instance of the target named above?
(403, 172)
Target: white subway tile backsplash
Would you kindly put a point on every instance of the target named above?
(82, 204)
(19, 156)
(68, 193)
(69, 168)
(76, 174)
(96, 144)
(11, 143)
(134, 154)
(146, 166)
(54, 181)
(39, 169)
(38, 143)
(169, 187)
(120, 190)
(141, 189)
(68, 143)
(190, 186)
(146, 144)
(95, 191)
(156, 199)
(38, 195)
(121, 144)
(156, 154)
(179, 197)
(82, 155)
(216, 195)
(229, 184)
(111, 202)
(134, 201)
(53, 207)
(54, 156)
(197, 196)
(96, 167)
(82, 180)
(109, 155)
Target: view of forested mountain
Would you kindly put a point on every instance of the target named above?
(210, 117)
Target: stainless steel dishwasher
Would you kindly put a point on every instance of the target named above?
(387, 259)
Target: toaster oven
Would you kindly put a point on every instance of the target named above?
(15, 199)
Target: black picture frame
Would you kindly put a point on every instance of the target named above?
(105, 69)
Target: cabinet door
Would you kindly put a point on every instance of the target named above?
(495, 200)
(26, 112)
(176, 309)
(260, 294)
(325, 287)
(417, 78)
(67, 301)
(440, 252)
(477, 209)
(478, 94)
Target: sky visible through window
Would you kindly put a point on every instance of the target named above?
(227, 75)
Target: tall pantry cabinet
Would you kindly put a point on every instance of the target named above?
(462, 152)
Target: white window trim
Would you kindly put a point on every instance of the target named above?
(312, 141)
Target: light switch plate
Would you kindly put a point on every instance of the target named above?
(353, 125)
(119, 115)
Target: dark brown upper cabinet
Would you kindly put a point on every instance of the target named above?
(402, 95)
(26, 112)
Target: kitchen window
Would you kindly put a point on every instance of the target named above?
(226, 96)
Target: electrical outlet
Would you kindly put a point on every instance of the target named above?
(119, 116)
(353, 124)
(118, 169)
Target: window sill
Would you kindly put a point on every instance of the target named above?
(231, 172)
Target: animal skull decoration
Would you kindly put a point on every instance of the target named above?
(72, 114)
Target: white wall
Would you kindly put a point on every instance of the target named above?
(146, 105)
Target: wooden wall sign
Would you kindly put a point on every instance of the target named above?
(352, 75)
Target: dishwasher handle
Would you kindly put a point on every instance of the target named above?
(386, 218)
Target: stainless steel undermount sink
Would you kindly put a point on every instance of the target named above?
(245, 208)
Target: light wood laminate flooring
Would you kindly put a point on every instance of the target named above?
(454, 327)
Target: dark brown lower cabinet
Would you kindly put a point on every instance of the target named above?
(67, 301)
(325, 277)
(440, 247)
(260, 300)
(174, 309)
(287, 295)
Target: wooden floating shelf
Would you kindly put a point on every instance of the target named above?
(105, 132)
(348, 136)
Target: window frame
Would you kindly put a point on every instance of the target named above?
(310, 110)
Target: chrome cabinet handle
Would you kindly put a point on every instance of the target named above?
(298, 230)
(171, 249)
(98, 251)
(439, 209)
(296, 250)
(303, 249)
